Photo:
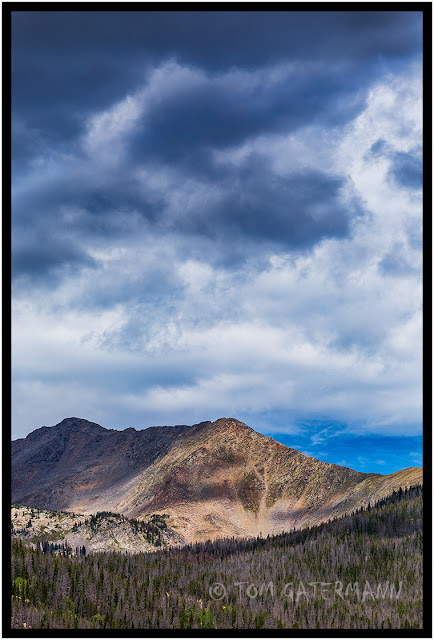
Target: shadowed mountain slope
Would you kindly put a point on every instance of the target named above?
(213, 479)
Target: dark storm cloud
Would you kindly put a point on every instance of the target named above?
(224, 111)
(251, 205)
(25, 144)
(174, 124)
(293, 211)
(65, 63)
(221, 39)
(204, 81)
(48, 259)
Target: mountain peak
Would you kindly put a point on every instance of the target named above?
(234, 432)
(230, 424)
(78, 424)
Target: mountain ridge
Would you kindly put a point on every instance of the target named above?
(212, 478)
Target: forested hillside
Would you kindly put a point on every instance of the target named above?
(371, 561)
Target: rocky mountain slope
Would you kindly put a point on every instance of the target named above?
(213, 479)
(100, 532)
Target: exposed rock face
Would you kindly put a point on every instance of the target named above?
(103, 532)
(213, 479)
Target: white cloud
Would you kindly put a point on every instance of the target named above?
(110, 127)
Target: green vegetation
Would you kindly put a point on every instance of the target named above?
(63, 588)
(151, 530)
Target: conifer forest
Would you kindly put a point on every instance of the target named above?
(362, 571)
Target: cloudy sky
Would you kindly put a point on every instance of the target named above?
(220, 215)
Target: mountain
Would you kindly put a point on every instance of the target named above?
(213, 479)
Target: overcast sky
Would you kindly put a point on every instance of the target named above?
(220, 215)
